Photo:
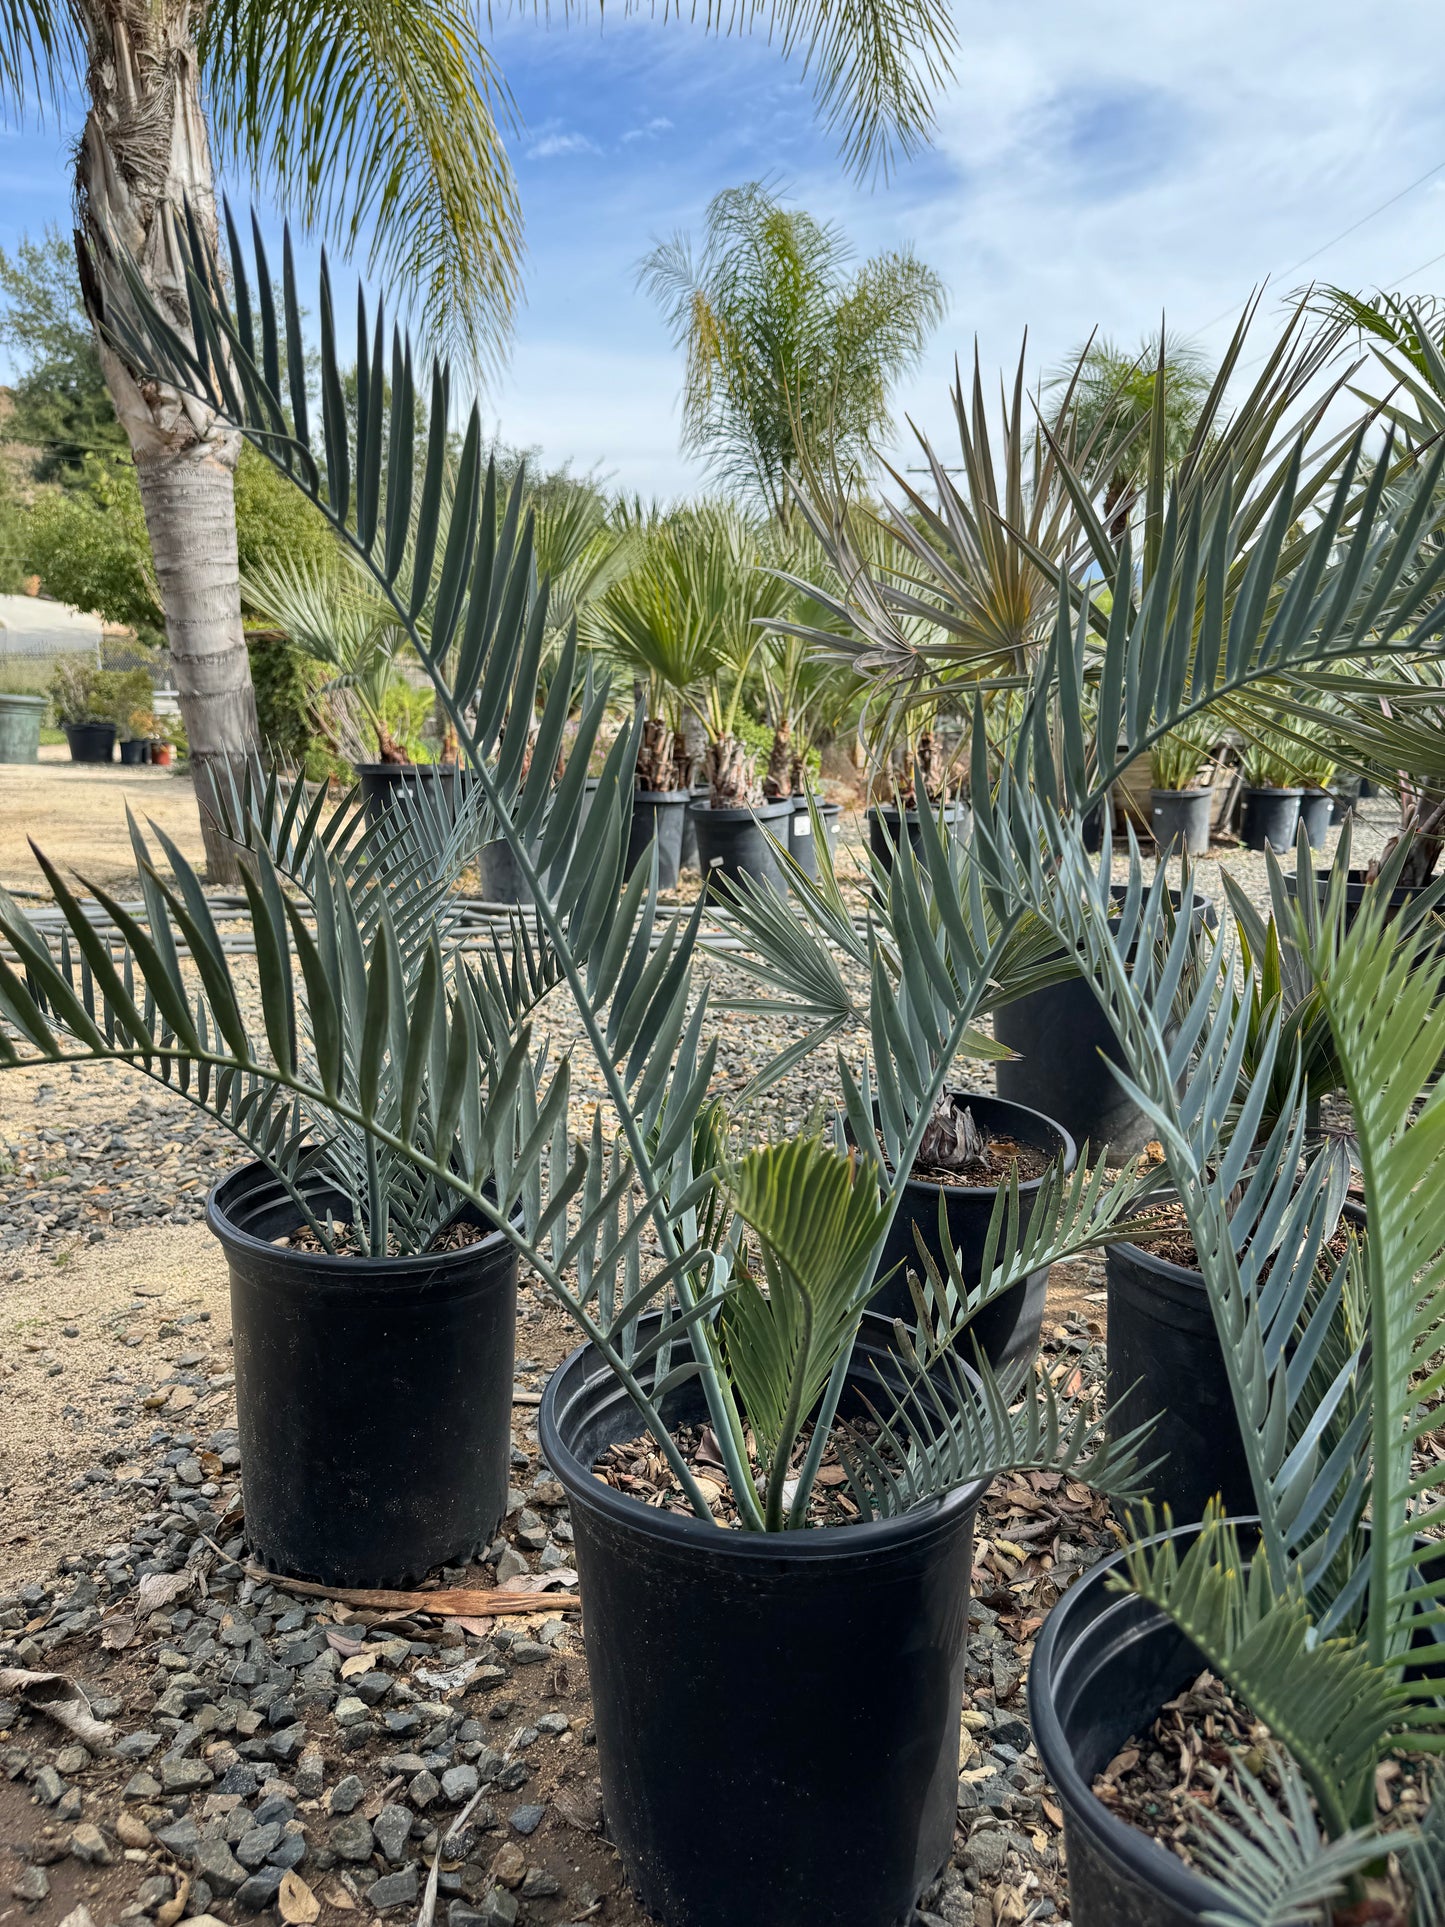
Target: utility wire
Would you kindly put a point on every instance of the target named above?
(1325, 246)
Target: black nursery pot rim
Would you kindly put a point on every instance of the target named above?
(641, 795)
(813, 1544)
(743, 812)
(1120, 1842)
(1263, 789)
(326, 1264)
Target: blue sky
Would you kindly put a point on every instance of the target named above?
(1094, 165)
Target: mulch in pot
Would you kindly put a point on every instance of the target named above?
(1162, 1780)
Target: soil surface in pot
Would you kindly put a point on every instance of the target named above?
(345, 1244)
(637, 1468)
(1170, 1237)
(956, 1150)
(1162, 1780)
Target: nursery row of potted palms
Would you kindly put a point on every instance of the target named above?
(393, 1092)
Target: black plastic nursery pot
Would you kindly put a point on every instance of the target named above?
(734, 843)
(1103, 1666)
(886, 825)
(136, 749)
(381, 784)
(1165, 1365)
(1316, 813)
(90, 742)
(1179, 820)
(1269, 819)
(661, 814)
(802, 846)
(755, 1771)
(1008, 1329)
(500, 880)
(1065, 1045)
(373, 1396)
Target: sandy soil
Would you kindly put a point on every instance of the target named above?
(76, 813)
(85, 1334)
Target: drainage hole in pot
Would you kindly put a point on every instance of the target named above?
(1161, 1780)
(637, 1468)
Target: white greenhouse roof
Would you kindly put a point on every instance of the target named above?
(32, 626)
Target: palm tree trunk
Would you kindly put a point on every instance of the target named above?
(143, 158)
(190, 510)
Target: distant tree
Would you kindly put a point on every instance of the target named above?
(61, 403)
(90, 548)
(1109, 400)
(791, 352)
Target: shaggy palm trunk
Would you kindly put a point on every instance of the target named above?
(143, 158)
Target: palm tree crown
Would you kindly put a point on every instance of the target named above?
(790, 356)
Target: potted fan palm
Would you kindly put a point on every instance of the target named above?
(1270, 802)
(1180, 812)
(929, 782)
(802, 693)
(687, 616)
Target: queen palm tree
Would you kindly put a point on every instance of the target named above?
(790, 355)
(384, 121)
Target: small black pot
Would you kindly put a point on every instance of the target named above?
(886, 824)
(800, 833)
(500, 880)
(1269, 819)
(1180, 819)
(833, 1803)
(1066, 1045)
(1103, 1667)
(373, 1396)
(90, 742)
(659, 813)
(1093, 828)
(1316, 813)
(734, 843)
(135, 749)
(381, 784)
(699, 795)
(1008, 1329)
(1165, 1366)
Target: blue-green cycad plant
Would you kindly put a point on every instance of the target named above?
(625, 1227)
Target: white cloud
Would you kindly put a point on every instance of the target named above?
(659, 124)
(549, 147)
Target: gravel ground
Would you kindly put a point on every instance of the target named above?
(244, 1750)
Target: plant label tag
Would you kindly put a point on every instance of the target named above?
(802, 826)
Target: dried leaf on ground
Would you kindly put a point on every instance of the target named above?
(298, 1905)
(59, 1698)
